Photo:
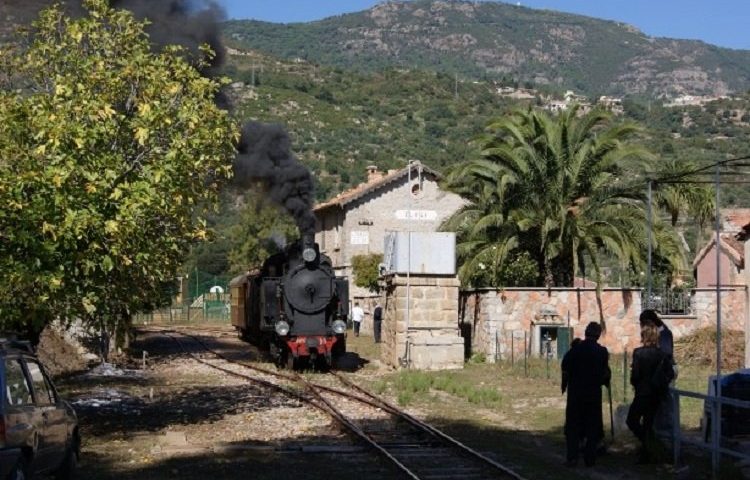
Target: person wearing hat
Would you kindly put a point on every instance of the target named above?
(586, 369)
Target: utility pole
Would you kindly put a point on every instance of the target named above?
(252, 75)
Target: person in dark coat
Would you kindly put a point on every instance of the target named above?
(664, 419)
(585, 369)
(665, 338)
(377, 321)
(648, 392)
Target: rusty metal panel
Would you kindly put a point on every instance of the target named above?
(238, 294)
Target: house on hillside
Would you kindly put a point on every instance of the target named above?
(356, 221)
(733, 251)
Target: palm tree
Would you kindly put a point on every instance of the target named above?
(558, 187)
(680, 199)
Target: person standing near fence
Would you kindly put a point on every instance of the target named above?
(357, 316)
(585, 369)
(377, 321)
(650, 374)
(663, 422)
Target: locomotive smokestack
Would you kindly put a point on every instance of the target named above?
(308, 240)
(265, 158)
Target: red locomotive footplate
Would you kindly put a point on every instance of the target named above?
(301, 346)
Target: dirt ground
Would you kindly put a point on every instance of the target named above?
(178, 418)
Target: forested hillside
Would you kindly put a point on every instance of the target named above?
(494, 40)
(341, 121)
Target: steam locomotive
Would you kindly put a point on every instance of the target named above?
(294, 306)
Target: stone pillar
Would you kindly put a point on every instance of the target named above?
(427, 336)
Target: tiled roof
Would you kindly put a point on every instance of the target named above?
(737, 218)
(362, 189)
(730, 245)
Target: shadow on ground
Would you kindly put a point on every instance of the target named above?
(533, 454)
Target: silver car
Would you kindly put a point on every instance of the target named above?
(38, 430)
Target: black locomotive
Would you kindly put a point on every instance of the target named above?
(294, 305)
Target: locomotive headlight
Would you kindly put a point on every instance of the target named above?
(282, 328)
(309, 254)
(339, 326)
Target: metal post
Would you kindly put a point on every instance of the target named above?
(625, 376)
(512, 348)
(408, 269)
(497, 348)
(650, 247)
(676, 429)
(525, 356)
(714, 438)
(716, 457)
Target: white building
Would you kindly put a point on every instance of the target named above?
(355, 222)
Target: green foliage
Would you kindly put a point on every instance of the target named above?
(345, 121)
(413, 385)
(106, 149)
(260, 231)
(365, 268)
(555, 188)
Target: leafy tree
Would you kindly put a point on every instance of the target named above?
(366, 272)
(557, 189)
(106, 150)
(260, 231)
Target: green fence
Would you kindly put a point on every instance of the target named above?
(202, 298)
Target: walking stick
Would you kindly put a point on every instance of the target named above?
(611, 415)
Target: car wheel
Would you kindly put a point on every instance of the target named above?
(20, 471)
(68, 467)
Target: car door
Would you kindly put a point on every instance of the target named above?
(53, 436)
(22, 422)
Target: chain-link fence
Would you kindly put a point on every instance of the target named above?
(201, 298)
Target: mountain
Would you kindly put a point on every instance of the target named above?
(495, 40)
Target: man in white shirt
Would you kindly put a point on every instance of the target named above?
(357, 316)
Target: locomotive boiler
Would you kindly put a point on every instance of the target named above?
(294, 306)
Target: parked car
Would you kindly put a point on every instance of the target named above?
(38, 430)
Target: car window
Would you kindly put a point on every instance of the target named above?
(17, 389)
(42, 392)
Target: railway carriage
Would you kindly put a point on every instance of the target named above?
(295, 306)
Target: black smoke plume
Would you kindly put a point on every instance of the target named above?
(188, 23)
(265, 158)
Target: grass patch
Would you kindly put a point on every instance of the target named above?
(411, 385)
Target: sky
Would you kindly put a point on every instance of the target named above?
(720, 22)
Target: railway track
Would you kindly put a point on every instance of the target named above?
(419, 450)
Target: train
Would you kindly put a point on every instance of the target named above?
(294, 306)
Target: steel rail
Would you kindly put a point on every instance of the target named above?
(313, 389)
(324, 404)
(429, 428)
(366, 397)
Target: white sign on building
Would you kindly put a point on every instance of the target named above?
(419, 215)
(360, 237)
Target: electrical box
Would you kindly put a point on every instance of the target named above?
(430, 253)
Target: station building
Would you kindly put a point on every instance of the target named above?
(356, 221)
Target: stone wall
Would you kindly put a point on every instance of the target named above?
(497, 319)
(429, 338)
